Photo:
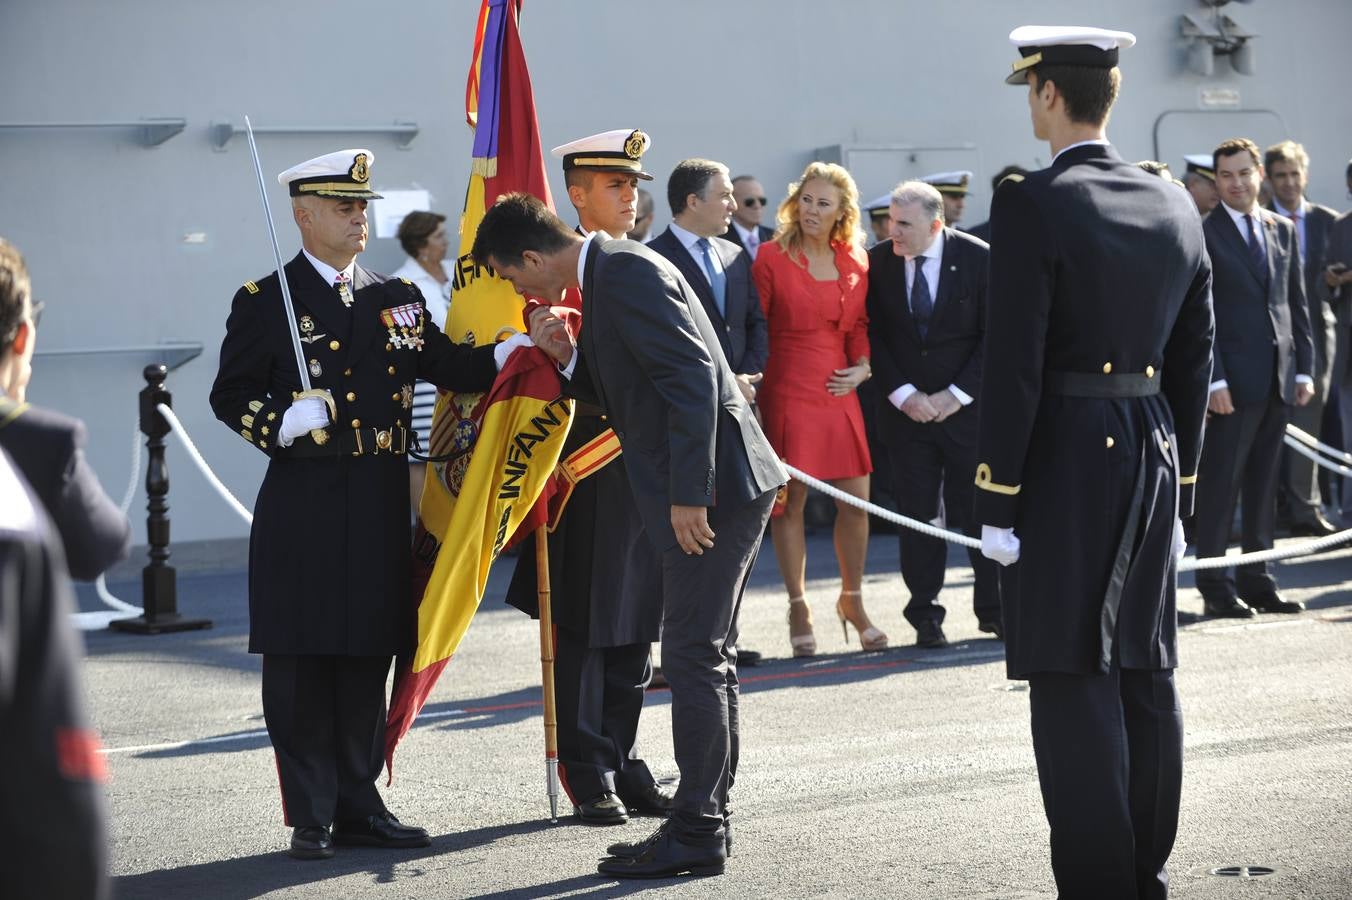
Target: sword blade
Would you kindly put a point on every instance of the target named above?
(277, 255)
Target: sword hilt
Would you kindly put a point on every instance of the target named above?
(319, 435)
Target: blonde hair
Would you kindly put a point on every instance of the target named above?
(790, 238)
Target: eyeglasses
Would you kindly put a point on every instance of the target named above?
(754, 201)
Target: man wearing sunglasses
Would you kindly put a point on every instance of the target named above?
(746, 231)
(46, 446)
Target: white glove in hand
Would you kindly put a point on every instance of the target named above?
(999, 544)
(302, 417)
(504, 349)
(1180, 543)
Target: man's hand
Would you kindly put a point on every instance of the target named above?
(548, 332)
(919, 408)
(1304, 393)
(842, 381)
(1219, 402)
(944, 403)
(999, 544)
(747, 385)
(691, 524)
(1337, 275)
(301, 417)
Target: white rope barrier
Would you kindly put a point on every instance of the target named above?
(1187, 565)
(1311, 441)
(1297, 445)
(177, 428)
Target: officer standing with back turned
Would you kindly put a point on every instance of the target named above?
(1093, 398)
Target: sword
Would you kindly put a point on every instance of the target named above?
(319, 435)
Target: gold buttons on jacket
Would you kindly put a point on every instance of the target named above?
(394, 397)
(1149, 371)
(351, 396)
(1107, 368)
(334, 345)
(347, 372)
(389, 347)
(1109, 443)
(356, 423)
(390, 370)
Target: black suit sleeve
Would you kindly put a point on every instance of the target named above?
(757, 351)
(968, 379)
(655, 325)
(1186, 380)
(886, 368)
(94, 531)
(1212, 240)
(1301, 333)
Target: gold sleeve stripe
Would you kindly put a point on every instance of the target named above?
(255, 405)
(247, 435)
(983, 481)
(246, 421)
(1187, 479)
(251, 287)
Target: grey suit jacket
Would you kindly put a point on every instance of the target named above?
(1323, 324)
(1338, 249)
(645, 355)
(741, 328)
(1257, 309)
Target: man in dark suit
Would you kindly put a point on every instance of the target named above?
(702, 472)
(982, 230)
(47, 446)
(719, 271)
(1338, 280)
(1093, 393)
(1287, 167)
(746, 230)
(1264, 365)
(606, 593)
(927, 326)
(330, 565)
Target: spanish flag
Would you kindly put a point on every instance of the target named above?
(497, 451)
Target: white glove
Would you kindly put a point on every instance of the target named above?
(504, 349)
(302, 417)
(999, 544)
(1180, 543)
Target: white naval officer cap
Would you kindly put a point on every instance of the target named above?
(952, 183)
(1203, 164)
(879, 207)
(344, 174)
(610, 151)
(1065, 45)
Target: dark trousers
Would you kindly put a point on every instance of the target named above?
(929, 463)
(702, 598)
(598, 693)
(326, 718)
(1110, 761)
(1240, 460)
(1299, 475)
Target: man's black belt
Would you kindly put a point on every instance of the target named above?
(365, 441)
(1092, 384)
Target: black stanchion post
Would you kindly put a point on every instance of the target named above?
(159, 590)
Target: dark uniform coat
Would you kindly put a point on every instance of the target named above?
(329, 553)
(1092, 484)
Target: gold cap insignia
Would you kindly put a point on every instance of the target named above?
(636, 145)
(360, 172)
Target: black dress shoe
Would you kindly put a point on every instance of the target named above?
(1317, 527)
(653, 800)
(634, 849)
(382, 830)
(1226, 607)
(1273, 602)
(931, 635)
(747, 657)
(603, 809)
(664, 857)
(992, 626)
(311, 842)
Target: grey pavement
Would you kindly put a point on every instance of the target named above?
(903, 773)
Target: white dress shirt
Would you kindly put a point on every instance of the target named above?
(932, 265)
(1100, 142)
(750, 239)
(567, 371)
(328, 272)
(689, 241)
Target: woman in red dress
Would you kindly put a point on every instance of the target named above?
(812, 279)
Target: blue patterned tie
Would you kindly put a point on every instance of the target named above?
(1256, 245)
(717, 280)
(922, 304)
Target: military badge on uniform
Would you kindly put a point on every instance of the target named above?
(307, 330)
(315, 368)
(405, 325)
(406, 396)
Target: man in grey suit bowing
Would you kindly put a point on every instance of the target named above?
(703, 475)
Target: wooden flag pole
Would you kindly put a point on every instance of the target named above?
(547, 671)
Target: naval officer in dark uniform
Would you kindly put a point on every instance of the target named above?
(604, 575)
(330, 599)
(1092, 402)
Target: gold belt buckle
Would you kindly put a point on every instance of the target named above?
(383, 440)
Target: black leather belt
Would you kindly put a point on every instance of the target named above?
(1092, 384)
(364, 441)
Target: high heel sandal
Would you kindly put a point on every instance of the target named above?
(801, 638)
(870, 638)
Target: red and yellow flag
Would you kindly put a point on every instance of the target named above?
(503, 446)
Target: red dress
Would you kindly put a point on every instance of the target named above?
(815, 327)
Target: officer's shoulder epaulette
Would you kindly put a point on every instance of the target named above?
(251, 287)
(404, 280)
(1013, 177)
